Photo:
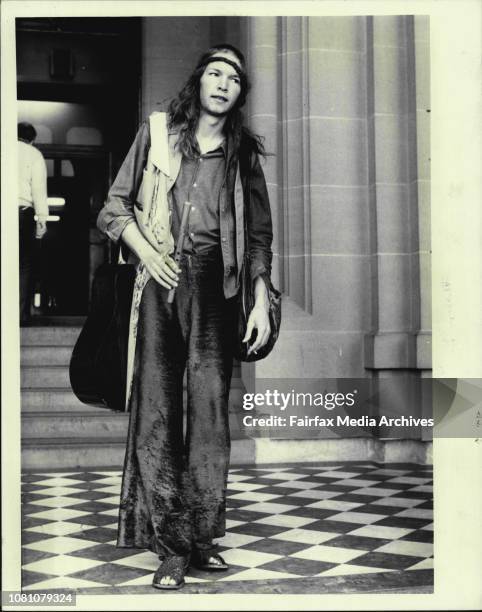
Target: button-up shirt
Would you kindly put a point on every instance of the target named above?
(32, 178)
(200, 181)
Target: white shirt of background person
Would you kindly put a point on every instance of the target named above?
(32, 183)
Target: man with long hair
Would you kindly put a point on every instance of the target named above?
(174, 483)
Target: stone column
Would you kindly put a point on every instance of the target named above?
(263, 109)
(338, 170)
(309, 99)
(394, 193)
(394, 144)
(422, 186)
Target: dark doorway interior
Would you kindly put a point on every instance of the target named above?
(78, 83)
(72, 248)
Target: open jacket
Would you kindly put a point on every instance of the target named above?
(140, 194)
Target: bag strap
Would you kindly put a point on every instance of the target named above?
(245, 156)
(245, 169)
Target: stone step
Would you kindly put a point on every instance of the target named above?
(107, 452)
(57, 320)
(39, 401)
(45, 355)
(49, 336)
(51, 400)
(57, 377)
(93, 424)
(57, 425)
(45, 377)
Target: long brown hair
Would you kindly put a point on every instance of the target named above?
(184, 110)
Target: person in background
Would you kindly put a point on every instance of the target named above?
(32, 200)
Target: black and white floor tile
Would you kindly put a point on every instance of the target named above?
(283, 523)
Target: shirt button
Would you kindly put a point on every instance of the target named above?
(192, 234)
(223, 239)
(194, 184)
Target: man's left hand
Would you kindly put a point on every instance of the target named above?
(258, 318)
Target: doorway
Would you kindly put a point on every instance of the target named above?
(78, 83)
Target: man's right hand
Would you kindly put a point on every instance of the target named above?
(41, 229)
(161, 267)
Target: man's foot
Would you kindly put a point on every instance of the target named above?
(170, 574)
(208, 561)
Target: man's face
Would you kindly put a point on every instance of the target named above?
(220, 86)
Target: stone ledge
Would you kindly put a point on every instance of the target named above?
(398, 350)
(343, 449)
(82, 454)
(88, 453)
(424, 350)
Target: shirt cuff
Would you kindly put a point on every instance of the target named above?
(41, 211)
(115, 228)
(259, 269)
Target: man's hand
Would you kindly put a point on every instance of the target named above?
(41, 228)
(161, 267)
(258, 318)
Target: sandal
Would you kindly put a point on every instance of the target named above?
(175, 567)
(208, 561)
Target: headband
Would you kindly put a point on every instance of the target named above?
(220, 58)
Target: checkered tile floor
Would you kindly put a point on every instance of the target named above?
(282, 523)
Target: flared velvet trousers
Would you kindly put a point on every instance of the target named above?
(174, 483)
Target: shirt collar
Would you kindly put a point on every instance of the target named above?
(226, 145)
(223, 146)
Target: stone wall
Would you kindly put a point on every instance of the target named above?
(170, 49)
(344, 103)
